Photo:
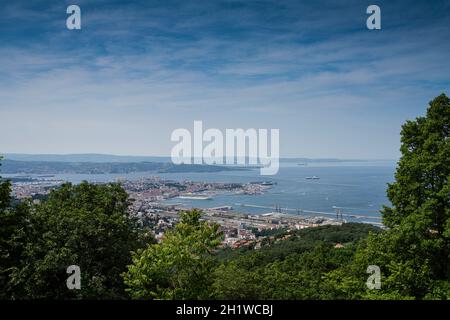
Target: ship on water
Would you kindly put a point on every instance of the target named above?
(264, 183)
(190, 196)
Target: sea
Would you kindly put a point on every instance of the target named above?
(356, 188)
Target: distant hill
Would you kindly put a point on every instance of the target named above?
(58, 167)
(87, 157)
(97, 157)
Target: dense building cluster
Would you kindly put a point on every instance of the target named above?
(147, 203)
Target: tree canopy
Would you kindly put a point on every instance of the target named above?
(85, 225)
(180, 267)
(413, 253)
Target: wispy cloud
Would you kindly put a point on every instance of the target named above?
(137, 71)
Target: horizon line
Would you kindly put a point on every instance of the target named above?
(4, 154)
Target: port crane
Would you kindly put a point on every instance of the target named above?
(338, 211)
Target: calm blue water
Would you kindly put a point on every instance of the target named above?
(350, 185)
(360, 185)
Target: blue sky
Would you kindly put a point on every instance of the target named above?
(140, 69)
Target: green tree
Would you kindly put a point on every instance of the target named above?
(180, 267)
(288, 269)
(5, 191)
(13, 226)
(234, 281)
(6, 230)
(413, 253)
(86, 225)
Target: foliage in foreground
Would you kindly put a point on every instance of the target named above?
(85, 225)
(178, 268)
(414, 253)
